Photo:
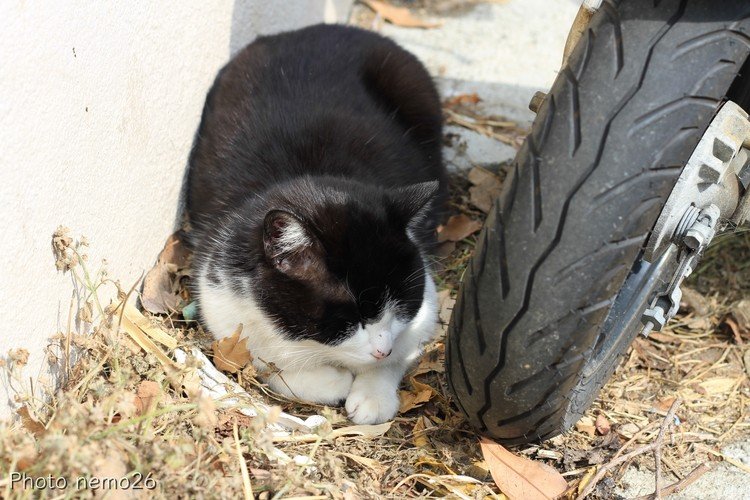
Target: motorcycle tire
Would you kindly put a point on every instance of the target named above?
(529, 345)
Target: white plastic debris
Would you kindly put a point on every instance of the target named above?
(218, 386)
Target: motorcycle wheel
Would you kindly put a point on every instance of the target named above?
(538, 325)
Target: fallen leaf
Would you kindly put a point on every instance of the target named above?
(486, 187)
(400, 16)
(462, 99)
(142, 333)
(519, 477)
(142, 322)
(746, 360)
(419, 433)
(664, 404)
(419, 395)
(160, 294)
(231, 353)
(587, 426)
(30, 423)
(457, 228)
(602, 425)
(148, 395)
(693, 300)
(361, 430)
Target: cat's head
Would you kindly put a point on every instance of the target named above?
(339, 264)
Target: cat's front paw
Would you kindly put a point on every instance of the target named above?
(371, 402)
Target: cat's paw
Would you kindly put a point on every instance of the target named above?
(323, 384)
(372, 402)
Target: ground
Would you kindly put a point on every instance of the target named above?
(127, 407)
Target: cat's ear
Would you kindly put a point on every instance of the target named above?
(414, 200)
(291, 248)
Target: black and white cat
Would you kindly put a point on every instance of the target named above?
(314, 189)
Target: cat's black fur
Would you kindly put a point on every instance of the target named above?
(334, 127)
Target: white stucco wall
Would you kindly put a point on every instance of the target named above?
(99, 102)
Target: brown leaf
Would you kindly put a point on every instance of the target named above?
(400, 16)
(160, 291)
(457, 228)
(419, 433)
(30, 423)
(664, 404)
(602, 425)
(419, 395)
(231, 353)
(521, 478)
(148, 395)
(462, 99)
(486, 187)
(587, 426)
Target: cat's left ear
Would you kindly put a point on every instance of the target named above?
(291, 248)
(414, 200)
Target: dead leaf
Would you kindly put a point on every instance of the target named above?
(486, 187)
(400, 16)
(419, 433)
(160, 293)
(664, 404)
(457, 228)
(462, 99)
(231, 353)
(746, 361)
(30, 423)
(419, 395)
(587, 426)
(142, 322)
(361, 430)
(148, 395)
(693, 300)
(521, 478)
(602, 425)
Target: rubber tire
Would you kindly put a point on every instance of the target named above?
(586, 188)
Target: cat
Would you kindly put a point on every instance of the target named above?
(315, 185)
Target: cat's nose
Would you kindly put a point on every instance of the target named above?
(380, 354)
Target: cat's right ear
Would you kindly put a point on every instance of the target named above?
(291, 248)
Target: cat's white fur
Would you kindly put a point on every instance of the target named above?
(312, 371)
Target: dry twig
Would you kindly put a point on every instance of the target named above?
(638, 451)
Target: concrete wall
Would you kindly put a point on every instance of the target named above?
(99, 102)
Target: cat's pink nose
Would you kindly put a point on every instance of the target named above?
(380, 354)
